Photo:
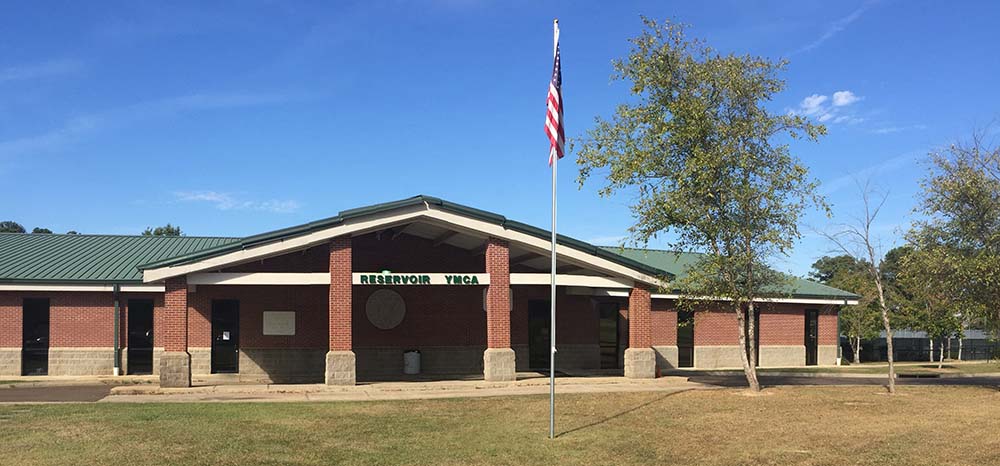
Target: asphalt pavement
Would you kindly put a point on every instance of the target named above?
(55, 394)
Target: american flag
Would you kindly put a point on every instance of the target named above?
(554, 116)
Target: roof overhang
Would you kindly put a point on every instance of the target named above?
(431, 210)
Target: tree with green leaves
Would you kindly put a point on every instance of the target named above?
(960, 204)
(699, 149)
(165, 230)
(928, 275)
(10, 226)
(857, 322)
(37, 230)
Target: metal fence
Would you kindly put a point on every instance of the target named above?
(919, 349)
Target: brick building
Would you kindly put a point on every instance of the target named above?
(342, 299)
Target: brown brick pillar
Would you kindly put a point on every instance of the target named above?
(498, 360)
(340, 360)
(640, 318)
(640, 359)
(175, 363)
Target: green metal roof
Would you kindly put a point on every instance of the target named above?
(678, 264)
(299, 230)
(90, 258)
(121, 259)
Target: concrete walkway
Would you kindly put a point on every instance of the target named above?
(391, 390)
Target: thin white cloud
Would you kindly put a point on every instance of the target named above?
(842, 98)
(813, 104)
(897, 129)
(227, 201)
(838, 26)
(81, 126)
(40, 70)
(827, 110)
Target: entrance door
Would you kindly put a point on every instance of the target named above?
(685, 339)
(609, 335)
(539, 334)
(35, 336)
(225, 336)
(140, 336)
(812, 336)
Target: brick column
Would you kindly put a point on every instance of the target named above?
(340, 360)
(640, 359)
(498, 360)
(175, 363)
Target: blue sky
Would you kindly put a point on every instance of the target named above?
(233, 120)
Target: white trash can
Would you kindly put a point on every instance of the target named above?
(411, 362)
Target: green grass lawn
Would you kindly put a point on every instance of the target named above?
(793, 425)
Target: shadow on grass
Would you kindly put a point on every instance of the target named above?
(622, 413)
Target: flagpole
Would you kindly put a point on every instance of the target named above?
(552, 270)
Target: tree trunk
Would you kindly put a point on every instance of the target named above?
(857, 351)
(960, 340)
(949, 347)
(888, 330)
(749, 368)
(941, 356)
(930, 357)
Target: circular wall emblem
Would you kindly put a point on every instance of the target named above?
(385, 309)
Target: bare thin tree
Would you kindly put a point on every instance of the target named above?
(856, 239)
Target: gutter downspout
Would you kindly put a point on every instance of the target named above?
(118, 350)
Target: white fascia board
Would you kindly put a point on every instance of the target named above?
(541, 245)
(587, 281)
(837, 302)
(259, 278)
(404, 215)
(81, 288)
(351, 226)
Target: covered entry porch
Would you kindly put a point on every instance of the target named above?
(342, 304)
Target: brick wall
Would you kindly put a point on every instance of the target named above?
(828, 326)
(640, 319)
(310, 304)
(76, 320)
(498, 305)
(435, 316)
(715, 328)
(10, 319)
(340, 294)
(783, 325)
(664, 321)
(175, 315)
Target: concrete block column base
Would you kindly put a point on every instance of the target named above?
(499, 365)
(341, 368)
(175, 369)
(640, 363)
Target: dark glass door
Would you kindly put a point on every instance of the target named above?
(140, 336)
(609, 335)
(539, 334)
(225, 336)
(685, 339)
(812, 336)
(35, 336)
